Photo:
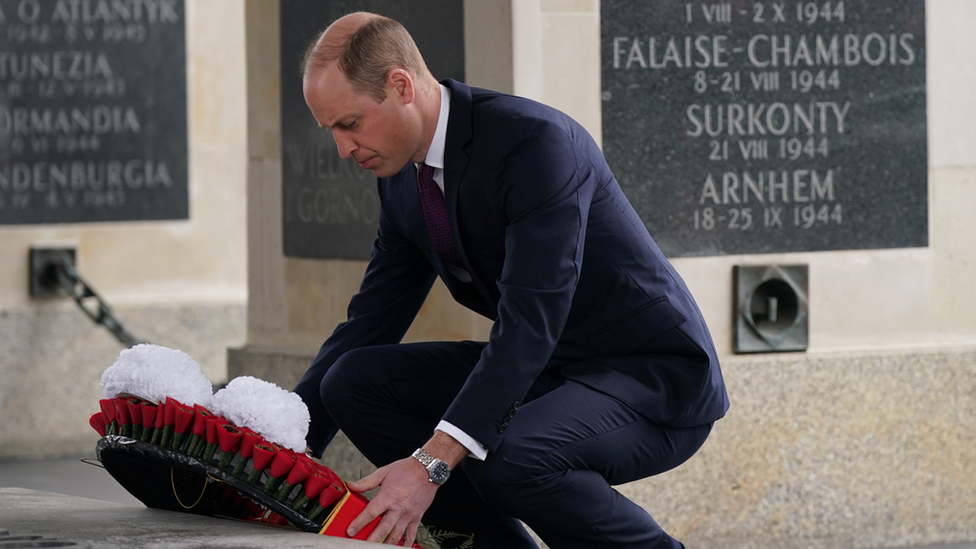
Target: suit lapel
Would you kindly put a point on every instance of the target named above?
(459, 134)
(455, 159)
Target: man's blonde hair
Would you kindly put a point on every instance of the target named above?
(367, 55)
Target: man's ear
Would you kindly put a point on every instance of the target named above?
(400, 82)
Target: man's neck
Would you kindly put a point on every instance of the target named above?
(430, 101)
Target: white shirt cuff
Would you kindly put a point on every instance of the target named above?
(478, 451)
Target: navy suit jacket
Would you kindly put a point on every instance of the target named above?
(558, 259)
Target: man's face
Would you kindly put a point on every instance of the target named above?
(381, 137)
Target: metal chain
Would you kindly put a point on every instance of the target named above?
(91, 303)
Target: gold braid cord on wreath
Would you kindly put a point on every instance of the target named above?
(187, 459)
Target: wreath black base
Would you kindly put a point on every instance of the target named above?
(165, 479)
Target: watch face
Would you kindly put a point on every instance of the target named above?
(438, 472)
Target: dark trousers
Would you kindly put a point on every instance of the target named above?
(554, 470)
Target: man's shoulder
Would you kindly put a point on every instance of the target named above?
(484, 114)
(500, 103)
(496, 103)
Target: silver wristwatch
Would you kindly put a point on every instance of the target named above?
(437, 470)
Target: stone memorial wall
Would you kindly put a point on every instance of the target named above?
(92, 111)
(330, 208)
(752, 127)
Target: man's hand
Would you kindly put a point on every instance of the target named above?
(404, 496)
(404, 493)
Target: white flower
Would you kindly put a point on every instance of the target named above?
(154, 372)
(278, 415)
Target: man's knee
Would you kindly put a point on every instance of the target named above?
(505, 479)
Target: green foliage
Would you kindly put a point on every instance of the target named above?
(430, 538)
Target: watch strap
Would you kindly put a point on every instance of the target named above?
(423, 457)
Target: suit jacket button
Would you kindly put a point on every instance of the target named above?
(501, 428)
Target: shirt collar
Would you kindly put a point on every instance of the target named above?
(435, 153)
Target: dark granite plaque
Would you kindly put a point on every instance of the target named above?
(753, 127)
(330, 205)
(92, 111)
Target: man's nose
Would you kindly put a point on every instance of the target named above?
(345, 145)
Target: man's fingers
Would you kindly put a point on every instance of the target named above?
(391, 527)
(368, 482)
(401, 529)
(371, 511)
(387, 530)
(410, 535)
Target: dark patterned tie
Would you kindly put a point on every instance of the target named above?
(435, 213)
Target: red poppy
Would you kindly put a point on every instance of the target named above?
(148, 413)
(263, 454)
(228, 437)
(160, 420)
(301, 471)
(122, 411)
(200, 419)
(160, 415)
(248, 441)
(213, 422)
(282, 463)
(315, 483)
(97, 422)
(170, 418)
(311, 488)
(261, 457)
(148, 417)
(135, 410)
(184, 417)
(108, 410)
(332, 493)
(122, 416)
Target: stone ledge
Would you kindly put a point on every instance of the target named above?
(115, 526)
